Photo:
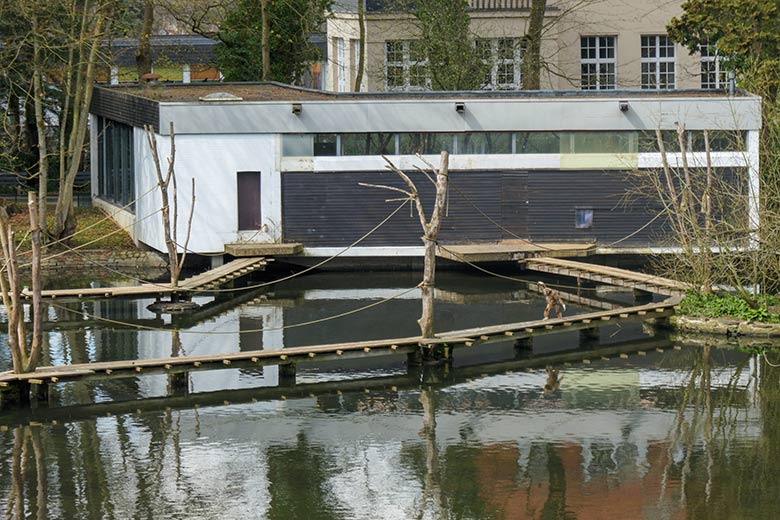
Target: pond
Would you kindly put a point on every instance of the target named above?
(690, 432)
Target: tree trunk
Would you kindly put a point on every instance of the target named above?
(65, 221)
(143, 55)
(40, 123)
(361, 12)
(265, 40)
(532, 62)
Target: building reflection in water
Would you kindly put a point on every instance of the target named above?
(689, 433)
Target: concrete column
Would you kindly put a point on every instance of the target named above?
(185, 73)
(753, 183)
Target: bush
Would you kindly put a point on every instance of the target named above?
(726, 305)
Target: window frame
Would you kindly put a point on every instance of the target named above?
(407, 66)
(598, 61)
(716, 61)
(494, 62)
(656, 61)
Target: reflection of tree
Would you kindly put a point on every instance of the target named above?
(432, 491)
(23, 497)
(298, 479)
(719, 474)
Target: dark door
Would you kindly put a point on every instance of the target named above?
(514, 205)
(249, 217)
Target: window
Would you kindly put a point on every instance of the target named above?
(713, 75)
(502, 59)
(485, 143)
(657, 62)
(583, 218)
(368, 144)
(116, 169)
(597, 62)
(406, 67)
(599, 142)
(341, 65)
(537, 142)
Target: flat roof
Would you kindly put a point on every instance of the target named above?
(272, 91)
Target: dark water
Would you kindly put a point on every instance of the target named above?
(688, 433)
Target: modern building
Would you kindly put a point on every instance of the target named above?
(279, 164)
(590, 45)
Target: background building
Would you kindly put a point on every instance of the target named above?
(586, 44)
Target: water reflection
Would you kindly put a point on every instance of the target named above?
(669, 434)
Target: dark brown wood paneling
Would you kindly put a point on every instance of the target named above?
(514, 205)
(332, 209)
(555, 195)
(249, 213)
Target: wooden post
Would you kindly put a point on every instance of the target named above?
(415, 359)
(589, 336)
(40, 392)
(179, 384)
(15, 395)
(287, 374)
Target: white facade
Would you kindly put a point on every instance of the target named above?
(214, 142)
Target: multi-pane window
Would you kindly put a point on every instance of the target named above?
(116, 173)
(502, 59)
(657, 62)
(713, 75)
(597, 62)
(406, 67)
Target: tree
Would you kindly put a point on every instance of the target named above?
(56, 45)
(25, 351)
(745, 32)
(532, 45)
(430, 228)
(454, 61)
(288, 52)
(143, 54)
(170, 222)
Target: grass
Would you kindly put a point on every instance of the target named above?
(728, 305)
(94, 230)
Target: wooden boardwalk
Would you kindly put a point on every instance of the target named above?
(291, 356)
(206, 281)
(609, 275)
(508, 250)
(393, 383)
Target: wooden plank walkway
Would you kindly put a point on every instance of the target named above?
(210, 279)
(609, 275)
(508, 250)
(287, 356)
(393, 383)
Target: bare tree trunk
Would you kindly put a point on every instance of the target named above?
(163, 181)
(65, 221)
(361, 12)
(143, 55)
(532, 61)
(430, 232)
(24, 359)
(265, 44)
(37, 303)
(40, 122)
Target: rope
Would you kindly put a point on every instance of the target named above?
(768, 362)
(308, 269)
(511, 278)
(216, 332)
